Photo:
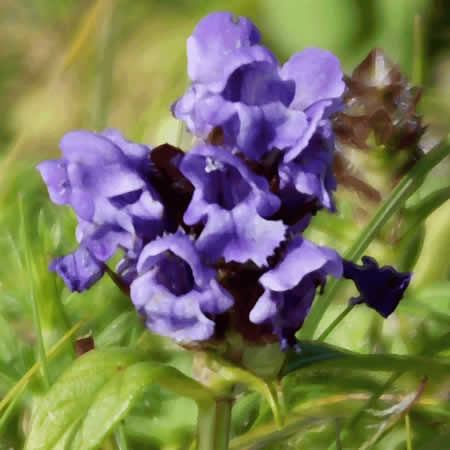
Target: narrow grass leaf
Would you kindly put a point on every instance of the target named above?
(315, 356)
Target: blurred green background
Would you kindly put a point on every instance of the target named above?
(69, 64)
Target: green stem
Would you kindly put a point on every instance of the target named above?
(404, 189)
(408, 433)
(214, 421)
(335, 322)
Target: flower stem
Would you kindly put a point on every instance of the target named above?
(404, 189)
(214, 421)
(335, 322)
(408, 433)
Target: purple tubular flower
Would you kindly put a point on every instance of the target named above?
(232, 202)
(290, 287)
(380, 288)
(104, 178)
(101, 181)
(174, 290)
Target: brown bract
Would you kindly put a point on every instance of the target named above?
(379, 99)
(380, 109)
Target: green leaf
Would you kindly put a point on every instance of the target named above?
(96, 393)
(325, 356)
(116, 332)
(117, 397)
(69, 399)
(245, 413)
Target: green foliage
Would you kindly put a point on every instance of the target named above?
(95, 394)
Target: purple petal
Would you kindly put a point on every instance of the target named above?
(225, 43)
(79, 270)
(240, 235)
(290, 288)
(180, 245)
(310, 176)
(232, 202)
(54, 174)
(221, 178)
(105, 240)
(302, 257)
(317, 74)
(285, 311)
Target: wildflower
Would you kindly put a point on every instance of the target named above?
(212, 239)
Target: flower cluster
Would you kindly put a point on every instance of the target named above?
(212, 238)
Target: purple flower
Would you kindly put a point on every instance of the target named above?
(380, 288)
(257, 104)
(104, 178)
(176, 292)
(290, 287)
(232, 202)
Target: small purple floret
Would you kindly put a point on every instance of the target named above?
(290, 287)
(380, 288)
(174, 290)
